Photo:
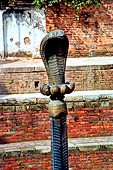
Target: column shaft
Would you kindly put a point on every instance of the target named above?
(59, 144)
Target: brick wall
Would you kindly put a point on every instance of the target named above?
(92, 35)
(33, 160)
(21, 82)
(29, 81)
(30, 160)
(29, 119)
(25, 126)
(91, 160)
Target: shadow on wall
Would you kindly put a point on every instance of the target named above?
(91, 36)
(95, 24)
(2, 62)
(2, 141)
(3, 90)
(94, 19)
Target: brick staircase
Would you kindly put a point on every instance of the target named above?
(25, 124)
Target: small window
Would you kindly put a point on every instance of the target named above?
(36, 84)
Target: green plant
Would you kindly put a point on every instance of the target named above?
(12, 1)
(77, 4)
(11, 81)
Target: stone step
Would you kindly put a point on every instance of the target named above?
(25, 117)
(44, 146)
(38, 98)
(87, 153)
(94, 73)
(37, 65)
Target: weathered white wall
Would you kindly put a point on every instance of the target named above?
(1, 35)
(23, 32)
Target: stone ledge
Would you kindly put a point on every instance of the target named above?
(92, 143)
(72, 64)
(38, 98)
(37, 101)
(43, 146)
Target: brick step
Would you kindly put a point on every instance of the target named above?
(84, 153)
(94, 73)
(25, 117)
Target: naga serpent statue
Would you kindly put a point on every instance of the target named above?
(54, 50)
